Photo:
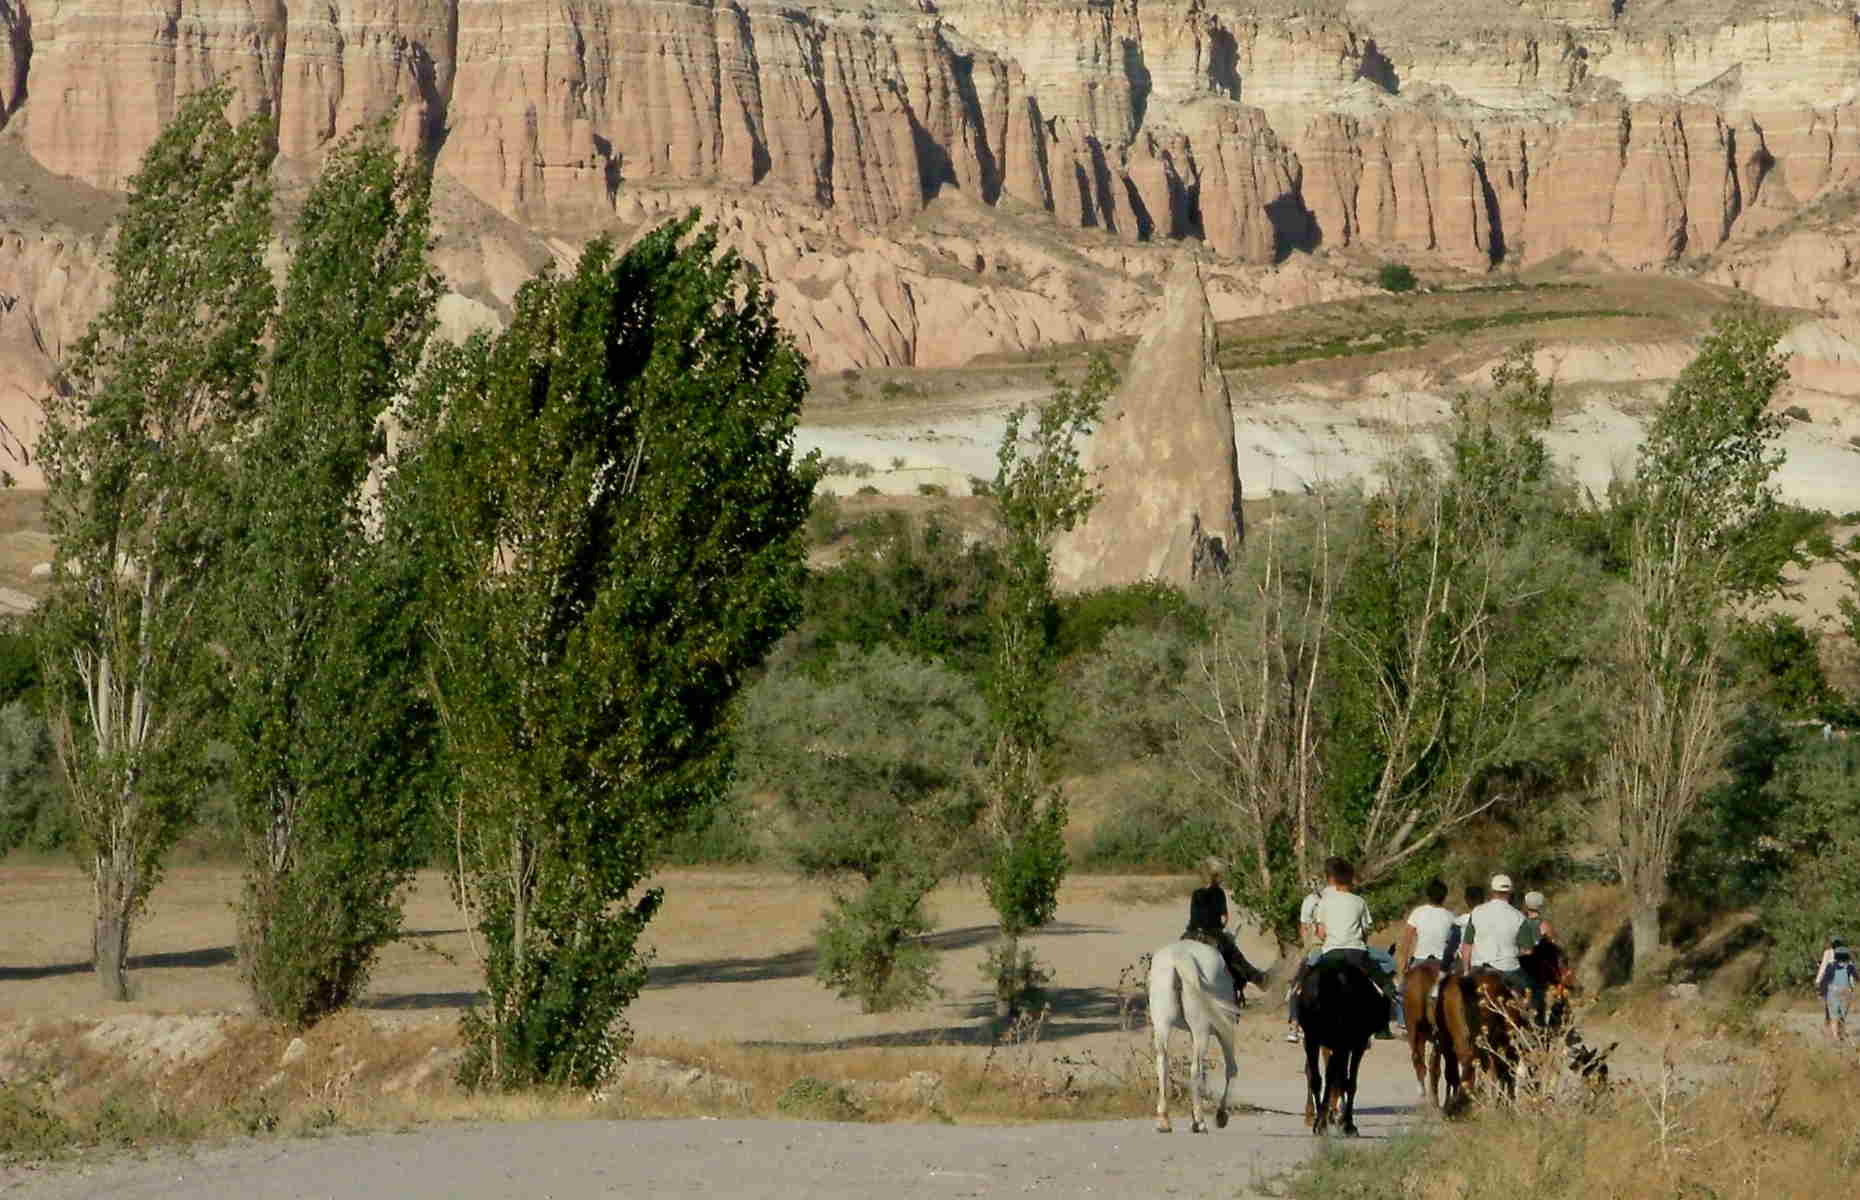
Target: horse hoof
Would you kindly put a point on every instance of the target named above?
(1349, 1131)
(1220, 1118)
(1163, 1126)
(1198, 1127)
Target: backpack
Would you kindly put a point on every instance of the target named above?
(1842, 971)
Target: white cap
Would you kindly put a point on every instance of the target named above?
(1533, 899)
(1501, 883)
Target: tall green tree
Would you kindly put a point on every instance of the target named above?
(330, 733)
(1041, 489)
(1701, 493)
(137, 448)
(610, 503)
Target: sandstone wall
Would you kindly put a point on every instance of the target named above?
(1633, 133)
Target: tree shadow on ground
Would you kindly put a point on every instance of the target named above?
(796, 964)
(212, 956)
(421, 1001)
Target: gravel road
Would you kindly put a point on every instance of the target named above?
(747, 1159)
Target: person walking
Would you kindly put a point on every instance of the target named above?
(1835, 980)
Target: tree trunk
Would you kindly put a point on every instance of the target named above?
(1645, 921)
(110, 935)
(1006, 993)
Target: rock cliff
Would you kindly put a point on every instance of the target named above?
(1073, 140)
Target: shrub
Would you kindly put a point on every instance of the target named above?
(32, 805)
(1086, 617)
(825, 519)
(932, 489)
(812, 1099)
(1395, 277)
(868, 949)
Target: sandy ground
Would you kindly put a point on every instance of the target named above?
(734, 963)
(723, 1159)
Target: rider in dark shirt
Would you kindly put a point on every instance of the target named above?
(1207, 922)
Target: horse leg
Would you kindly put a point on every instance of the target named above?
(1315, 1115)
(1225, 1036)
(1199, 1079)
(1419, 1035)
(1164, 1008)
(1433, 1073)
(1353, 1062)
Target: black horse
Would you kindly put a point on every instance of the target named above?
(1339, 1010)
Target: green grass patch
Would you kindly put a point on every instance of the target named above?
(1244, 354)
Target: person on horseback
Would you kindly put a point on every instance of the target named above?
(1344, 922)
(1207, 922)
(1475, 896)
(1309, 943)
(1492, 936)
(1537, 928)
(1425, 934)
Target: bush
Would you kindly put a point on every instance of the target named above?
(825, 519)
(1012, 972)
(1154, 835)
(868, 948)
(811, 1099)
(719, 834)
(1086, 618)
(33, 812)
(932, 489)
(1395, 277)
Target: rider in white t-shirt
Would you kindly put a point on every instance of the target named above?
(1343, 918)
(1429, 927)
(1492, 935)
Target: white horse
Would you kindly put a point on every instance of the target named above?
(1190, 988)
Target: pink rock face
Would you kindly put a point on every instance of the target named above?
(1163, 455)
(105, 75)
(358, 61)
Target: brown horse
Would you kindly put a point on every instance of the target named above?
(1480, 1014)
(1431, 1052)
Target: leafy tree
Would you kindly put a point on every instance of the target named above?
(1395, 277)
(1453, 632)
(329, 732)
(876, 768)
(1040, 490)
(920, 587)
(139, 434)
(608, 499)
(1259, 700)
(1703, 488)
(1818, 844)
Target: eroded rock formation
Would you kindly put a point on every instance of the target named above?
(1163, 453)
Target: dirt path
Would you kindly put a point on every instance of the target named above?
(673, 1160)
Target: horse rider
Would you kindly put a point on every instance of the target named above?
(1207, 923)
(1425, 934)
(1492, 936)
(1475, 896)
(1835, 979)
(1309, 943)
(1344, 923)
(1537, 928)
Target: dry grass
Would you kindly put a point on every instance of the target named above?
(140, 1081)
(1774, 1121)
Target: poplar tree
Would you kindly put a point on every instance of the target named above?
(330, 733)
(608, 498)
(139, 435)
